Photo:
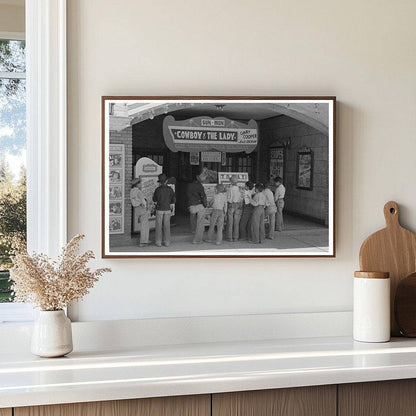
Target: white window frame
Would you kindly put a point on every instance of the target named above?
(46, 128)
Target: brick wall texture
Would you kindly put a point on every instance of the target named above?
(308, 203)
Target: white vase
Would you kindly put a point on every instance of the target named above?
(52, 334)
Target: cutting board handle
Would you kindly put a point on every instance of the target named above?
(391, 214)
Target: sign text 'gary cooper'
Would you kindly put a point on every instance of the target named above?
(202, 134)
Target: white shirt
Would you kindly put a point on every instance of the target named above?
(258, 199)
(137, 197)
(234, 194)
(248, 195)
(279, 193)
(269, 198)
(220, 201)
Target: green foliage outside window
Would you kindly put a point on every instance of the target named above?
(12, 223)
(12, 147)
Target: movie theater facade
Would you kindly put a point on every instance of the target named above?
(258, 139)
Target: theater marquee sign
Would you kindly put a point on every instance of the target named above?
(204, 134)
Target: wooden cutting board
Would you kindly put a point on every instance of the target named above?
(393, 250)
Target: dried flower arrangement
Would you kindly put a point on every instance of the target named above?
(53, 285)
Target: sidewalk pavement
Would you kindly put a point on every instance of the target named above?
(299, 235)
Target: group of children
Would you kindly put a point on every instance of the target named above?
(246, 212)
(243, 212)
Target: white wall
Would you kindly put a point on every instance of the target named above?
(361, 51)
(12, 18)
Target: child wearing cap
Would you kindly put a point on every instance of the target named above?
(219, 209)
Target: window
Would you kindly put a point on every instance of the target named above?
(241, 162)
(244, 164)
(45, 26)
(12, 155)
(157, 158)
(228, 167)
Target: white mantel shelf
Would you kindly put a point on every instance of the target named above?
(151, 371)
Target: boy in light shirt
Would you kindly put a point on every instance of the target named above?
(279, 197)
(270, 211)
(219, 209)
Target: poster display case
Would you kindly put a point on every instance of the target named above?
(116, 189)
(277, 162)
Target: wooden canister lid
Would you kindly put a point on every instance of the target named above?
(372, 275)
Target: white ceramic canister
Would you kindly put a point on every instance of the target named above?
(371, 313)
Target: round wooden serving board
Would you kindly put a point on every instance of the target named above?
(393, 250)
(405, 306)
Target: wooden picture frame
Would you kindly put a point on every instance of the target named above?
(222, 140)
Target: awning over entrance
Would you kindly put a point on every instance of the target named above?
(202, 134)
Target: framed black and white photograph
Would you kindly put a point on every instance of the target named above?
(218, 176)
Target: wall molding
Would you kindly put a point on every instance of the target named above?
(46, 125)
